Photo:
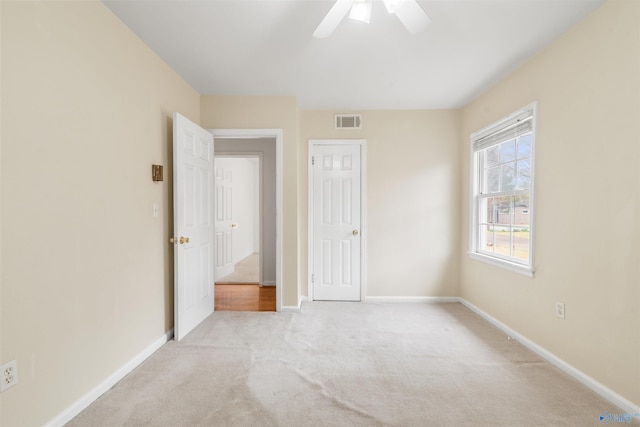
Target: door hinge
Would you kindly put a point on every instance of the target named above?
(313, 160)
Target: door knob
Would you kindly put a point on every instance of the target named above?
(184, 240)
(356, 232)
(173, 240)
(234, 225)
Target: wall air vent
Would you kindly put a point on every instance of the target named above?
(348, 121)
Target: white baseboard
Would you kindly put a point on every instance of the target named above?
(86, 400)
(412, 299)
(293, 308)
(268, 283)
(605, 392)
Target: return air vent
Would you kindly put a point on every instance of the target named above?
(348, 121)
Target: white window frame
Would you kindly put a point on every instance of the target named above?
(476, 178)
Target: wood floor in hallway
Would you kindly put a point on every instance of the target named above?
(245, 297)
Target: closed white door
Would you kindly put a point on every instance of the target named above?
(336, 222)
(193, 224)
(224, 221)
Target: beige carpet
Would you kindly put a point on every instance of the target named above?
(246, 270)
(347, 364)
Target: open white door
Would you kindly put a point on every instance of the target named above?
(224, 221)
(193, 224)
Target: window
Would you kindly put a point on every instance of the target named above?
(502, 192)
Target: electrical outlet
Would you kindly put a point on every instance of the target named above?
(560, 309)
(8, 375)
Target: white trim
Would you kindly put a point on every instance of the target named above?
(410, 299)
(293, 308)
(363, 211)
(602, 390)
(269, 283)
(498, 262)
(309, 222)
(278, 135)
(81, 404)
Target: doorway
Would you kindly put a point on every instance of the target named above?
(239, 217)
(257, 152)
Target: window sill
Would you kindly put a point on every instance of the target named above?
(511, 266)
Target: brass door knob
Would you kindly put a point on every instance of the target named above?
(184, 240)
(356, 232)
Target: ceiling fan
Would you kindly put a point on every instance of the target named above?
(408, 12)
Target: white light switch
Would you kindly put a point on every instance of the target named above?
(155, 210)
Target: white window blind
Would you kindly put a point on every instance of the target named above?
(502, 131)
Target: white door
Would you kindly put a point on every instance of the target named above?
(193, 224)
(224, 221)
(336, 222)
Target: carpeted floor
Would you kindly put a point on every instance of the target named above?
(347, 364)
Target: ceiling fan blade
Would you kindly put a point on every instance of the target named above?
(412, 16)
(333, 18)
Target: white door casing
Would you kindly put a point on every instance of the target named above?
(194, 250)
(336, 221)
(224, 222)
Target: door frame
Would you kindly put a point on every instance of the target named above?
(363, 210)
(257, 134)
(252, 155)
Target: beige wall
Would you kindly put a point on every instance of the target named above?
(86, 269)
(268, 112)
(587, 199)
(412, 198)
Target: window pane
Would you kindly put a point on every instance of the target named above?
(502, 240)
(521, 229)
(508, 177)
(521, 211)
(493, 180)
(502, 206)
(524, 146)
(524, 174)
(521, 243)
(492, 156)
(490, 211)
(486, 238)
(508, 151)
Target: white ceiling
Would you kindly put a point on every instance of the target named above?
(265, 47)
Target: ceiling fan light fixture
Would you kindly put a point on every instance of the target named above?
(361, 11)
(409, 12)
(393, 5)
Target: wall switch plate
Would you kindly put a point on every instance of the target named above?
(8, 375)
(560, 309)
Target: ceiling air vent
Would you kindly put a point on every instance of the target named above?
(348, 121)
